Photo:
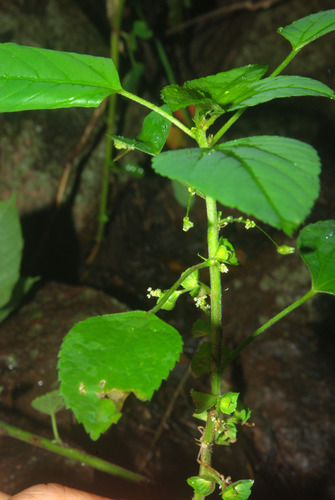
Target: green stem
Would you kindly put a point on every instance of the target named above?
(283, 65)
(227, 125)
(111, 113)
(55, 430)
(177, 284)
(97, 463)
(158, 110)
(267, 325)
(207, 439)
(216, 296)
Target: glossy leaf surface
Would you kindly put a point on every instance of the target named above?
(316, 245)
(272, 178)
(11, 244)
(215, 90)
(241, 87)
(309, 28)
(277, 87)
(104, 358)
(33, 78)
(151, 139)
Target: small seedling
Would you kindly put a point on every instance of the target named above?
(50, 403)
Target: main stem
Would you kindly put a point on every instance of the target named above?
(207, 439)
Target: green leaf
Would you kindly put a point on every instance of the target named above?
(309, 28)
(202, 485)
(171, 302)
(316, 245)
(228, 402)
(273, 178)
(241, 414)
(226, 252)
(104, 358)
(11, 244)
(241, 87)
(33, 78)
(191, 281)
(271, 88)
(151, 139)
(202, 401)
(50, 403)
(240, 490)
(215, 91)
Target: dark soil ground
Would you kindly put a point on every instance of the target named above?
(286, 376)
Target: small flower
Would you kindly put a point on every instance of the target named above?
(154, 293)
(187, 224)
(201, 302)
(249, 224)
(223, 268)
(285, 250)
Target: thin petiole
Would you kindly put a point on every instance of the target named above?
(158, 110)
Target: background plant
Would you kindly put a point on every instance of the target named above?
(272, 178)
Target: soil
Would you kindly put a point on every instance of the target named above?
(286, 376)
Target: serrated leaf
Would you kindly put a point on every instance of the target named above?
(202, 485)
(309, 28)
(11, 244)
(151, 139)
(33, 78)
(103, 359)
(216, 91)
(50, 403)
(316, 245)
(273, 178)
(277, 87)
(240, 490)
(230, 91)
(202, 401)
